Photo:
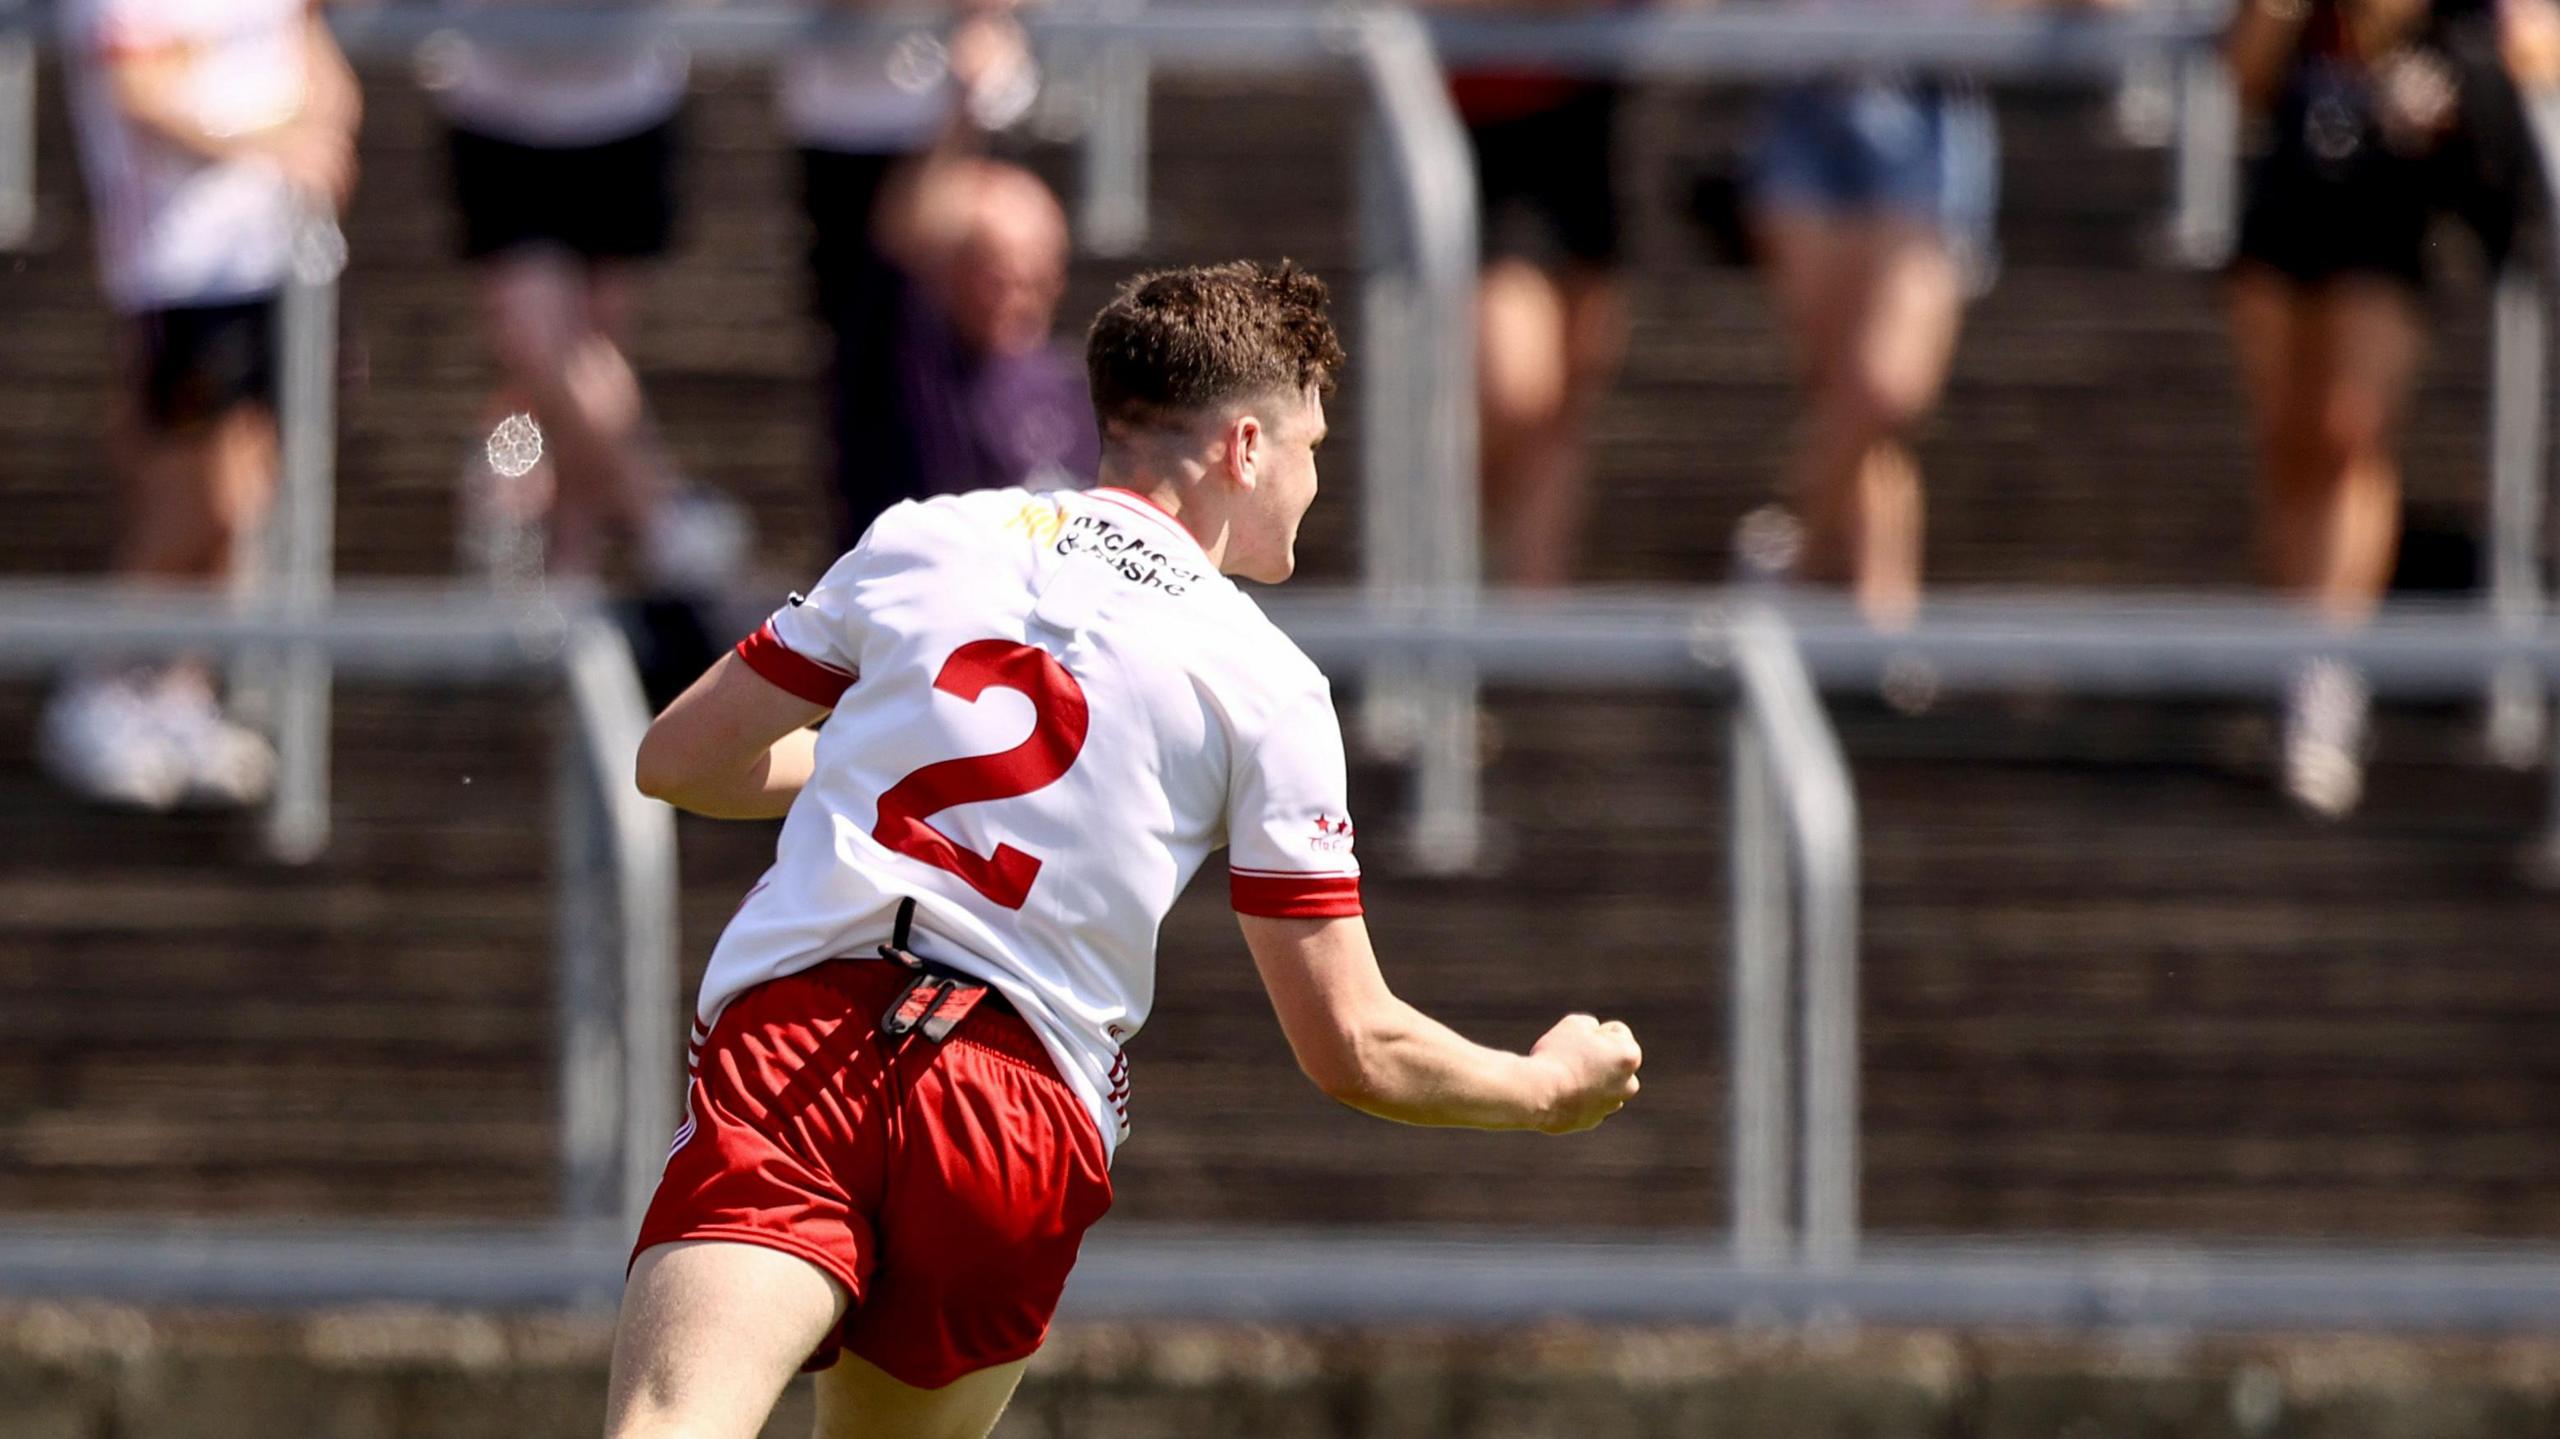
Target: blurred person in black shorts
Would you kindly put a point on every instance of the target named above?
(2383, 116)
(1550, 313)
(563, 168)
(207, 133)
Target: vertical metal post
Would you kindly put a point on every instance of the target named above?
(2205, 165)
(591, 1181)
(2542, 119)
(2518, 395)
(302, 531)
(631, 1074)
(17, 125)
(1828, 891)
(1389, 721)
(1423, 501)
(1757, 1026)
(1806, 778)
(1113, 211)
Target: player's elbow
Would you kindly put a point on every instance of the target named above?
(1346, 1063)
(661, 769)
(1341, 1080)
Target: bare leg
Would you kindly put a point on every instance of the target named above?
(194, 491)
(2329, 375)
(710, 1334)
(546, 320)
(1874, 304)
(857, 1401)
(2329, 371)
(1547, 347)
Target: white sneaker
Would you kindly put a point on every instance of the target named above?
(227, 765)
(2327, 723)
(696, 542)
(101, 738)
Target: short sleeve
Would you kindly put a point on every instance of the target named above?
(1289, 823)
(812, 646)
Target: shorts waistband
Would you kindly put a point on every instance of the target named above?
(995, 1025)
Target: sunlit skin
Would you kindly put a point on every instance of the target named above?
(1240, 481)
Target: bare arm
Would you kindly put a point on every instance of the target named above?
(315, 144)
(1378, 1054)
(926, 205)
(734, 746)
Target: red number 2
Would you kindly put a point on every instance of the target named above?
(1057, 736)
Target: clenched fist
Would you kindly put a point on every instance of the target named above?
(1594, 1065)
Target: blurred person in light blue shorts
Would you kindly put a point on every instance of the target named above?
(1872, 201)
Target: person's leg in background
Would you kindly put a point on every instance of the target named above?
(193, 438)
(2329, 371)
(547, 333)
(1551, 326)
(1863, 193)
(1548, 344)
(2329, 368)
(1873, 304)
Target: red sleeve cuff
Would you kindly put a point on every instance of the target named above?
(791, 671)
(1294, 896)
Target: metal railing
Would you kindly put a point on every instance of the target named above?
(1795, 832)
(295, 560)
(1419, 529)
(617, 959)
(1417, 212)
(1771, 654)
(17, 126)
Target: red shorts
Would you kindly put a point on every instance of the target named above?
(946, 1187)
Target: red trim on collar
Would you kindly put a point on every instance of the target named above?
(1137, 503)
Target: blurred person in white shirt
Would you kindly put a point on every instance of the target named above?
(208, 130)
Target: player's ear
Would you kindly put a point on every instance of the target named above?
(1245, 441)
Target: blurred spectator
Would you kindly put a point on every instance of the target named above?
(1550, 316)
(2384, 114)
(207, 131)
(1873, 203)
(938, 273)
(563, 169)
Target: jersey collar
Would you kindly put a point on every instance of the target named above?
(1147, 509)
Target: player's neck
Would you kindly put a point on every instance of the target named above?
(1184, 504)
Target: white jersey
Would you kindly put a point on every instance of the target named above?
(869, 99)
(1048, 710)
(555, 99)
(175, 228)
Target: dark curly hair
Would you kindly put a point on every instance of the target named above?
(1174, 343)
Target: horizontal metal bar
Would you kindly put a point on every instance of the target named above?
(2097, 643)
(1765, 41)
(2121, 643)
(1385, 1276)
(1331, 1277)
(1773, 41)
(1262, 36)
(379, 630)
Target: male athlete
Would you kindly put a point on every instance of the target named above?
(1044, 711)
